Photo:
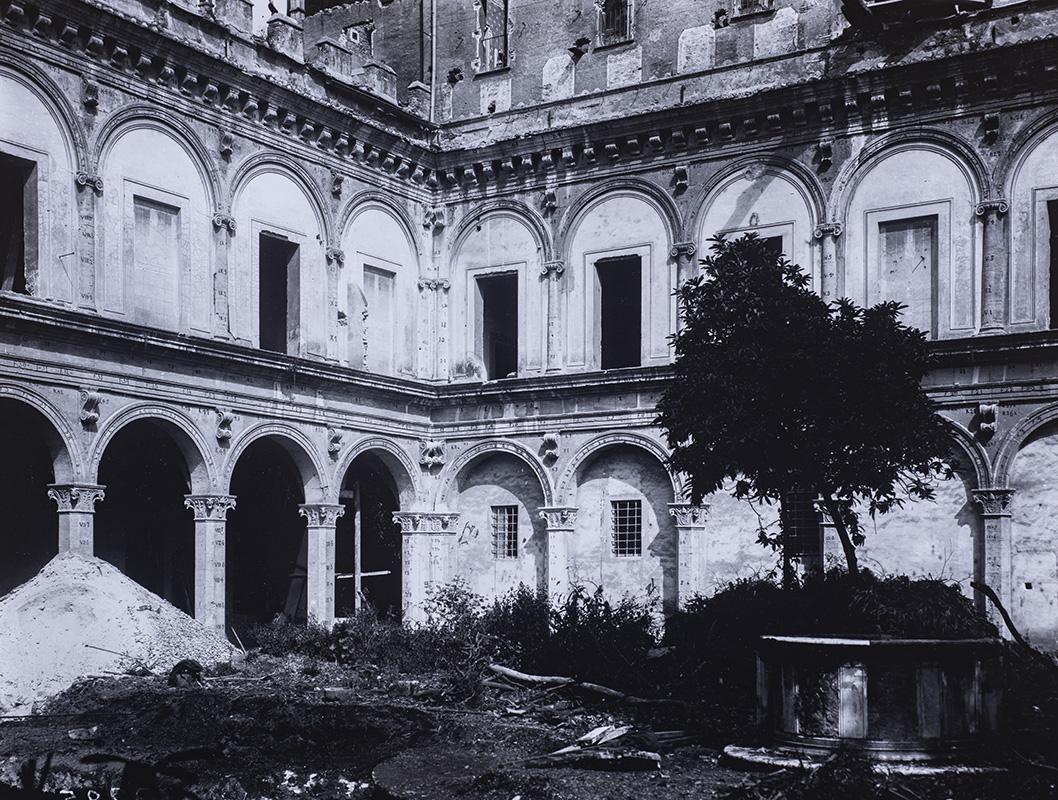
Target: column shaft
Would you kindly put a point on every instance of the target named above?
(552, 273)
(827, 234)
(211, 531)
(992, 554)
(322, 519)
(426, 541)
(561, 522)
(690, 550)
(223, 230)
(84, 279)
(996, 260)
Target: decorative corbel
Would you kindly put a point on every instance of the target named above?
(550, 448)
(227, 144)
(990, 128)
(224, 420)
(986, 421)
(549, 203)
(334, 443)
(90, 400)
(680, 179)
(336, 183)
(825, 154)
(433, 218)
(431, 454)
(89, 93)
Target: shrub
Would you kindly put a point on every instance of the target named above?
(281, 637)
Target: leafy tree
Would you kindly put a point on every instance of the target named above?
(781, 393)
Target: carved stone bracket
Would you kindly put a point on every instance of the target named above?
(334, 443)
(552, 269)
(209, 507)
(550, 448)
(994, 502)
(431, 453)
(997, 205)
(336, 182)
(321, 515)
(223, 220)
(224, 420)
(549, 203)
(90, 407)
(680, 179)
(335, 255)
(689, 515)
(75, 497)
(89, 93)
(426, 521)
(986, 420)
(559, 518)
(434, 284)
(825, 229)
(95, 182)
(683, 249)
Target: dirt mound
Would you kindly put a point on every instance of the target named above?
(46, 623)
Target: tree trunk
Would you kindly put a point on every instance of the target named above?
(834, 510)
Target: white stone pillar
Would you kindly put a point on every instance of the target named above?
(424, 556)
(686, 265)
(561, 522)
(76, 502)
(552, 272)
(690, 549)
(828, 233)
(223, 232)
(995, 263)
(211, 531)
(992, 554)
(322, 517)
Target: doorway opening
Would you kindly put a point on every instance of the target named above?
(279, 296)
(498, 324)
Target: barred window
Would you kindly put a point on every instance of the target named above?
(505, 531)
(615, 20)
(627, 530)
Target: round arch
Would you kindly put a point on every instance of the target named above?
(1025, 142)
(144, 116)
(54, 99)
(400, 465)
(974, 454)
(68, 461)
(494, 447)
(298, 446)
(371, 198)
(948, 145)
(567, 483)
(260, 163)
(511, 208)
(1015, 439)
(183, 431)
(634, 187)
(800, 177)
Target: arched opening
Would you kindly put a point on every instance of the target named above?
(142, 526)
(502, 541)
(29, 537)
(625, 539)
(368, 541)
(267, 548)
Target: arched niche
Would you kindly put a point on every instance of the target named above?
(279, 274)
(496, 265)
(155, 230)
(380, 292)
(615, 231)
(769, 202)
(1033, 226)
(910, 236)
(38, 164)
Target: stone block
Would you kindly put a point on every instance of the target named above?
(624, 68)
(285, 36)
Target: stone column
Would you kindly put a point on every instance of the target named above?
(84, 280)
(322, 518)
(690, 549)
(992, 557)
(551, 272)
(76, 502)
(828, 233)
(335, 262)
(223, 231)
(561, 522)
(686, 266)
(211, 530)
(996, 262)
(424, 556)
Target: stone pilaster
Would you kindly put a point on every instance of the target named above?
(992, 553)
(995, 265)
(89, 187)
(434, 349)
(424, 556)
(321, 519)
(223, 232)
(690, 549)
(828, 233)
(211, 531)
(686, 266)
(561, 521)
(552, 272)
(335, 262)
(76, 503)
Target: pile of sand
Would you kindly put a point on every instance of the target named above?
(78, 600)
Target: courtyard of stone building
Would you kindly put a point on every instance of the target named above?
(322, 308)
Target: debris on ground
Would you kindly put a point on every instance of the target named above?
(512, 680)
(81, 616)
(588, 751)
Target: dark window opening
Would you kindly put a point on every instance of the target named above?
(803, 529)
(18, 222)
(278, 294)
(499, 325)
(615, 20)
(1052, 219)
(620, 311)
(492, 35)
(773, 245)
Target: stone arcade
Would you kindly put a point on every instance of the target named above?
(379, 296)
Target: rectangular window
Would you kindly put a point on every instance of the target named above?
(18, 222)
(498, 325)
(156, 263)
(1052, 220)
(804, 541)
(620, 312)
(745, 8)
(773, 244)
(505, 531)
(493, 20)
(379, 293)
(279, 295)
(615, 21)
(627, 527)
(907, 273)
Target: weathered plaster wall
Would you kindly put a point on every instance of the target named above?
(731, 549)
(1034, 184)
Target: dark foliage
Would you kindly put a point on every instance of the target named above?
(780, 392)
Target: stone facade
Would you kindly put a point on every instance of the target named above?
(171, 154)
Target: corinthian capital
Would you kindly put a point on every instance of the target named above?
(213, 507)
(689, 515)
(70, 497)
(994, 502)
(321, 515)
(426, 521)
(559, 518)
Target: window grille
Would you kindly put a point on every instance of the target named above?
(615, 20)
(505, 531)
(493, 20)
(627, 531)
